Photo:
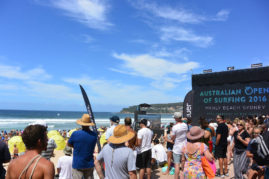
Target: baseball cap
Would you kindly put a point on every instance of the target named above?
(115, 119)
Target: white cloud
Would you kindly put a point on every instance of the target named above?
(51, 91)
(8, 87)
(30, 83)
(27, 85)
(180, 34)
(178, 13)
(15, 72)
(92, 13)
(222, 15)
(161, 71)
(116, 93)
(180, 53)
(151, 67)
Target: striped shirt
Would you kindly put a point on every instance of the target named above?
(50, 148)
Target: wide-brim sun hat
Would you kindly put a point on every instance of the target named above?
(85, 120)
(195, 133)
(120, 135)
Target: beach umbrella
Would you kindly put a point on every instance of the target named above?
(18, 141)
(103, 139)
(71, 132)
(60, 142)
(52, 133)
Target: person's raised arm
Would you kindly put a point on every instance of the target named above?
(244, 142)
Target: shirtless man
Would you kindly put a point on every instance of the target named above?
(31, 164)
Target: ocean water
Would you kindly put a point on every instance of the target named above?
(19, 119)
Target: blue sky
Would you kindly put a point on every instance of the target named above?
(123, 52)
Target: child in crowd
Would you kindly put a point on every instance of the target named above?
(159, 155)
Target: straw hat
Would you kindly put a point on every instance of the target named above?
(85, 120)
(120, 135)
(195, 133)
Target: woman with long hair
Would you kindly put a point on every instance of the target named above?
(241, 140)
(209, 133)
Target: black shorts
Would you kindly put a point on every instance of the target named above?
(143, 160)
(220, 152)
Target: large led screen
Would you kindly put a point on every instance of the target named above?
(231, 100)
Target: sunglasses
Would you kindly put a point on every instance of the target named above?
(256, 133)
(239, 124)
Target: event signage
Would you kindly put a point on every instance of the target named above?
(187, 105)
(232, 100)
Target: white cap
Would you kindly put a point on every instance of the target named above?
(177, 115)
(39, 122)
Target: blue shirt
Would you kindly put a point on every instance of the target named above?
(84, 143)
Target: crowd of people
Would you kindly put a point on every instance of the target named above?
(203, 151)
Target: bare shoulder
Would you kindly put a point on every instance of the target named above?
(43, 162)
(13, 167)
(13, 163)
(47, 167)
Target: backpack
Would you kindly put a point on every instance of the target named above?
(260, 149)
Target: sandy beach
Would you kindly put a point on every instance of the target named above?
(157, 174)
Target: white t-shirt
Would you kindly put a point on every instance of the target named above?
(158, 153)
(109, 131)
(65, 163)
(180, 131)
(146, 135)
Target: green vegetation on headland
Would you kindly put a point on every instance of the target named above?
(157, 108)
